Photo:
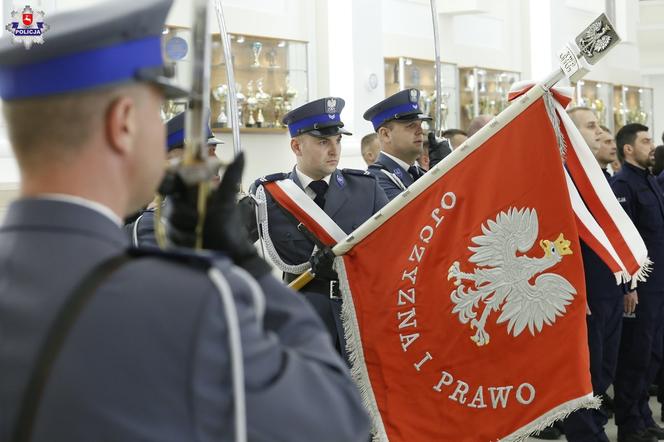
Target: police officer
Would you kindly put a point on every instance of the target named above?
(349, 197)
(141, 226)
(604, 297)
(398, 122)
(149, 355)
(639, 357)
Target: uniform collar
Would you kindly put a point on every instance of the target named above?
(93, 205)
(636, 169)
(400, 163)
(305, 180)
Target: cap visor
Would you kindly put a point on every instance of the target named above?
(328, 132)
(170, 89)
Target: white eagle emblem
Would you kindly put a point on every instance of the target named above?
(414, 95)
(331, 106)
(502, 280)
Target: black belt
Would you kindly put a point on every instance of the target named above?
(325, 287)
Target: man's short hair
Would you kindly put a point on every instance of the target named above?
(449, 133)
(48, 128)
(366, 141)
(573, 111)
(605, 129)
(627, 135)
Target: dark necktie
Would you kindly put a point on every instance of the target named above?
(414, 171)
(319, 187)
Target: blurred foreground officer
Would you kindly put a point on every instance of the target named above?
(398, 122)
(149, 357)
(141, 228)
(347, 197)
(604, 297)
(640, 353)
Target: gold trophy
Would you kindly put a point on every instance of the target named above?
(278, 104)
(262, 100)
(251, 104)
(289, 96)
(220, 93)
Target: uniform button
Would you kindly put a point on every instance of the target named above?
(288, 235)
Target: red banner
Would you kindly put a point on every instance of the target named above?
(474, 328)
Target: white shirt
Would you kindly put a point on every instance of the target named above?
(93, 205)
(401, 163)
(305, 181)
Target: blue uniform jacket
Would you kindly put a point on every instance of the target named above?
(386, 182)
(351, 198)
(148, 358)
(640, 195)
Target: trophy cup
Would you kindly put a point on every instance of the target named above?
(289, 96)
(278, 104)
(251, 104)
(272, 59)
(415, 76)
(598, 106)
(256, 48)
(220, 93)
(262, 100)
(481, 80)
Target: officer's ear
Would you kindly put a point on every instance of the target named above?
(121, 123)
(296, 146)
(628, 148)
(384, 133)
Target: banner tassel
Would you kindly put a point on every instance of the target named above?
(358, 369)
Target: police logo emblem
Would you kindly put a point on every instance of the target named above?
(30, 29)
(413, 95)
(331, 106)
(340, 180)
(398, 173)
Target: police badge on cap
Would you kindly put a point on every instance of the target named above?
(319, 118)
(402, 106)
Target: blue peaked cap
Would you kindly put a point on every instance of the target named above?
(110, 43)
(320, 118)
(401, 106)
(175, 132)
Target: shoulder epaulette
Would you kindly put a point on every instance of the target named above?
(357, 172)
(378, 166)
(270, 178)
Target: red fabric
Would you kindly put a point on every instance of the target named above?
(310, 223)
(518, 167)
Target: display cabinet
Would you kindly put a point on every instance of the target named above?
(632, 104)
(404, 73)
(270, 74)
(597, 96)
(484, 92)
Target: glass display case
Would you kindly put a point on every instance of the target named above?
(597, 96)
(632, 104)
(484, 92)
(271, 78)
(404, 73)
